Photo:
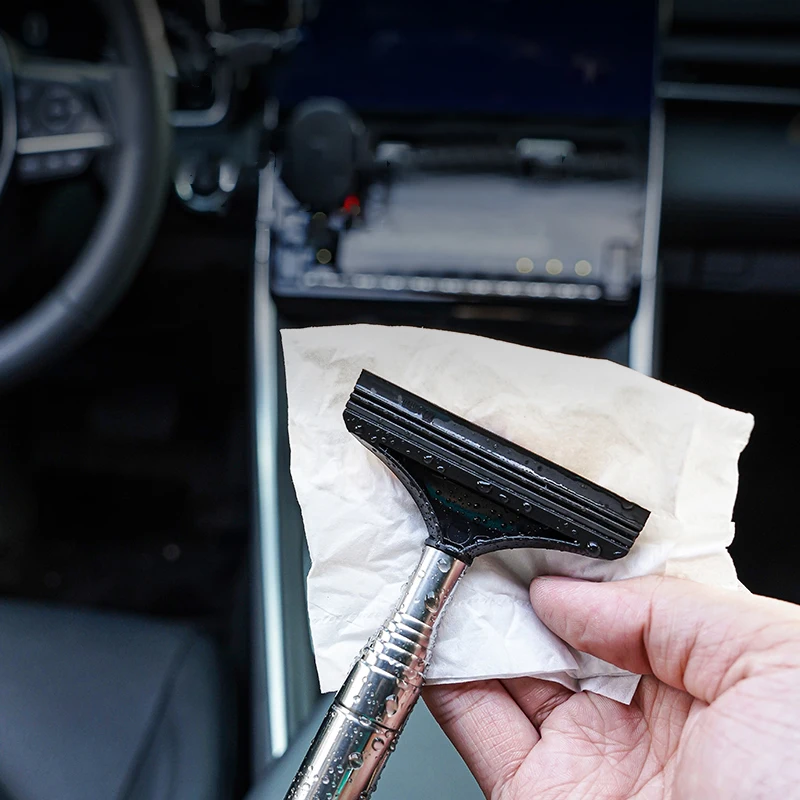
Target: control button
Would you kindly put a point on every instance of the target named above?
(25, 92)
(54, 163)
(25, 124)
(50, 166)
(30, 167)
(58, 108)
(77, 161)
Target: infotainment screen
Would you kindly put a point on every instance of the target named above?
(508, 142)
(580, 58)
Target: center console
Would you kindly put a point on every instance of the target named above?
(483, 162)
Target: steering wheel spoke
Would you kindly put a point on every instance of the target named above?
(65, 115)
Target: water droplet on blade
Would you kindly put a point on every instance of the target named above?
(593, 549)
(526, 506)
(484, 486)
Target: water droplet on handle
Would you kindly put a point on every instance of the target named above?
(391, 705)
(431, 601)
(355, 760)
(442, 565)
(377, 744)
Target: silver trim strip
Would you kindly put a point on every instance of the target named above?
(8, 104)
(265, 320)
(723, 93)
(643, 338)
(34, 145)
(209, 117)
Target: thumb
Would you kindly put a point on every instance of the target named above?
(693, 637)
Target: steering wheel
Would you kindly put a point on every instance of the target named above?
(62, 117)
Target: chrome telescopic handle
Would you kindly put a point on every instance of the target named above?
(361, 728)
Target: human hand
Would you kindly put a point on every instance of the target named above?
(717, 714)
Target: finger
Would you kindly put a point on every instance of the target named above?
(692, 637)
(536, 697)
(487, 727)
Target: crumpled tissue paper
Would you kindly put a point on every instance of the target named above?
(661, 447)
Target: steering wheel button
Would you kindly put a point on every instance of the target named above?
(25, 124)
(30, 167)
(55, 163)
(57, 108)
(76, 161)
(25, 92)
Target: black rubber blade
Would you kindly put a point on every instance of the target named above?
(479, 492)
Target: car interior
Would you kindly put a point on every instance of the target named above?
(182, 179)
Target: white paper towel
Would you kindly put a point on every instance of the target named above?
(663, 448)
